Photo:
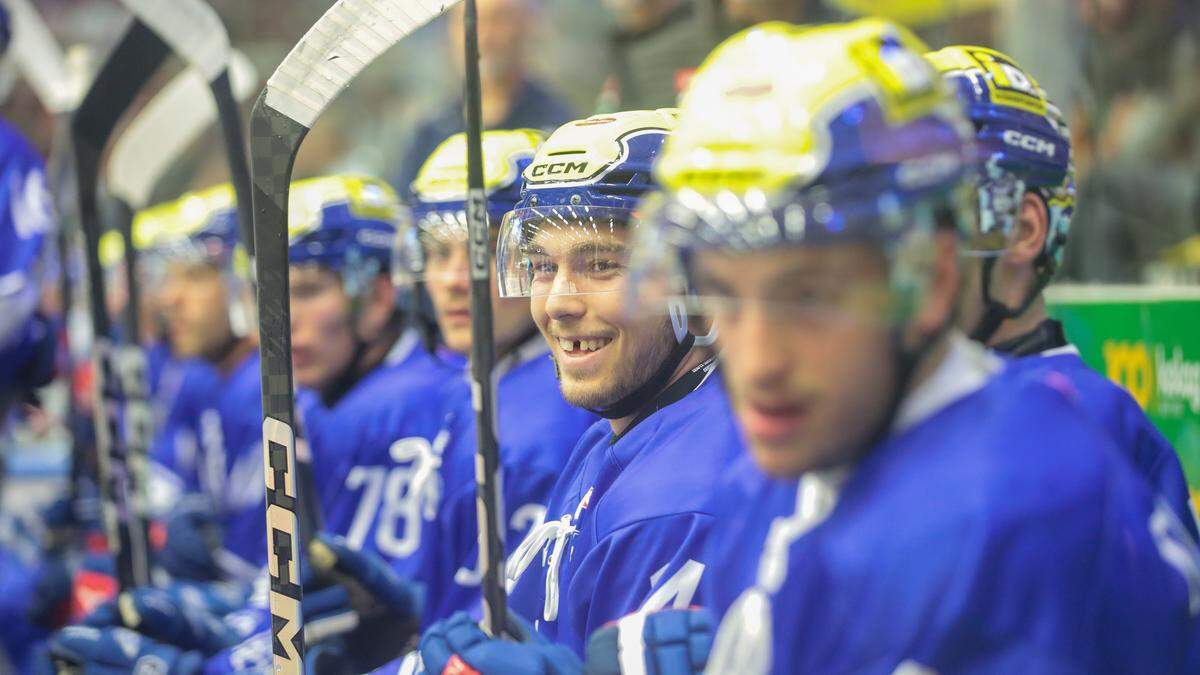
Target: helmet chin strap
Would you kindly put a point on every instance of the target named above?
(684, 341)
(634, 401)
(995, 312)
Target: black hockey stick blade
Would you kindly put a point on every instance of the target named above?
(128, 67)
(488, 502)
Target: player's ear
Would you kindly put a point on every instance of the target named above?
(1033, 222)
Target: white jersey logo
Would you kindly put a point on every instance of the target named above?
(744, 639)
(549, 540)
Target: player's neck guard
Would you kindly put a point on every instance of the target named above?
(1047, 335)
(646, 393)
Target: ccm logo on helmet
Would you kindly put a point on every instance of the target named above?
(558, 169)
(1026, 142)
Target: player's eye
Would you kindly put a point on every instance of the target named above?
(542, 267)
(604, 267)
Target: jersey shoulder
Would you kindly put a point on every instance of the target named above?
(1017, 448)
(672, 462)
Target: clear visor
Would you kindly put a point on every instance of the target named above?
(433, 248)
(713, 265)
(563, 250)
(155, 263)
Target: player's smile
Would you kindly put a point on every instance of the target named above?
(579, 355)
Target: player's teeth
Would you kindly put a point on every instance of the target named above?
(589, 345)
(564, 345)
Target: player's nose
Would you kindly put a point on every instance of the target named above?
(757, 347)
(563, 306)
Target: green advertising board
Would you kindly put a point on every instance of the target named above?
(1146, 338)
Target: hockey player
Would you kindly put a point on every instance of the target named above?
(368, 388)
(211, 443)
(911, 506)
(364, 398)
(626, 518)
(536, 427)
(27, 344)
(1027, 193)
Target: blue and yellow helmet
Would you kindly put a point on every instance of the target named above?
(585, 182)
(807, 136)
(346, 223)
(1022, 140)
(199, 227)
(439, 216)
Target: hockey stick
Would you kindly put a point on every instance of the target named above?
(483, 349)
(128, 67)
(194, 31)
(348, 37)
(151, 144)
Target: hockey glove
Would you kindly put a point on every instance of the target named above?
(459, 645)
(187, 616)
(194, 536)
(109, 651)
(668, 642)
(357, 599)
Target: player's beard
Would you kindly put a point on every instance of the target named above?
(639, 362)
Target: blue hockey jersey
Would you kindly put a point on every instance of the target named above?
(26, 222)
(537, 431)
(627, 520)
(997, 531)
(370, 446)
(1112, 408)
(212, 444)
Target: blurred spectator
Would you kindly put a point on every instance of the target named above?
(747, 12)
(511, 99)
(1136, 129)
(654, 49)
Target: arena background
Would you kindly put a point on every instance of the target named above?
(1124, 71)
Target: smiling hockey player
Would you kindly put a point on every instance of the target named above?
(1027, 193)
(366, 400)
(626, 519)
(911, 506)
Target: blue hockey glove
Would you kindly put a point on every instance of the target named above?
(109, 651)
(459, 645)
(355, 598)
(668, 642)
(184, 615)
(194, 535)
